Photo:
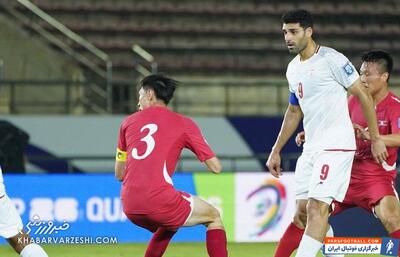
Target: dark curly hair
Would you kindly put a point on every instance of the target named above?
(303, 17)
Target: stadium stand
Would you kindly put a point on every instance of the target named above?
(218, 39)
(222, 37)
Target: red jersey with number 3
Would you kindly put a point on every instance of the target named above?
(153, 140)
(388, 115)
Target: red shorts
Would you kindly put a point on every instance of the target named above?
(366, 193)
(170, 220)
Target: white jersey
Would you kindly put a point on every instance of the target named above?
(10, 221)
(320, 84)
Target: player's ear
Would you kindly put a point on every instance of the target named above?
(151, 94)
(309, 32)
(385, 76)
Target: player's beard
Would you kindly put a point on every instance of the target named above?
(297, 49)
(293, 50)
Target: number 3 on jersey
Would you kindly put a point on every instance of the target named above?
(148, 139)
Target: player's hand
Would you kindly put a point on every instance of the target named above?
(300, 138)
(378, 150)
(274, 164)
(361, 133)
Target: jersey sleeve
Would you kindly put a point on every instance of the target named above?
(395, 120)
(121, 147)
(288, 69)
(195, 141)
(342, 69)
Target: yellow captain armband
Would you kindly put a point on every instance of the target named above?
(120, 156)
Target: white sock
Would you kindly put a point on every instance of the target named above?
(330, 233)
(33, 250)
(308, 247)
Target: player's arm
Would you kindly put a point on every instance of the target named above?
(120, 160)
(119, 170)
(378, 147)
(391, 140)
(196, 143)
(214, 165)
(291, 120)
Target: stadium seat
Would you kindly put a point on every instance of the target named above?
(186, 31)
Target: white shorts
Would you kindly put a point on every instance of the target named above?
(323, 175)
(10, 221)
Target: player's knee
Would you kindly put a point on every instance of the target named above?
(214, 214)
(391, 220)
(215, 219)
(300, 217)
(317, 210)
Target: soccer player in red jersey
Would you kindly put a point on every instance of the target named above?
(150, 143)
(371, 184)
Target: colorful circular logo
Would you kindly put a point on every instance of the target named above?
(270, 204)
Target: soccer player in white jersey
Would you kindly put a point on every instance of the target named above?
(11, 227)
(319, 78)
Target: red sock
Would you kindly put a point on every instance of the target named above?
(216, 243)
(159, 242)
(290, 241)
(396, 234)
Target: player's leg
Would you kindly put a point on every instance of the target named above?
(161, 235)
(21, 245)
(303, 176)
(294, 232)
(379, 196)
(317, 226)
(159, 242)
(206, 214)
(291, 238)
(330, 233)
(388, 211)
(19, 241)
(330, 180)
(11, 229)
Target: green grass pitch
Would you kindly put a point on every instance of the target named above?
(137, 250)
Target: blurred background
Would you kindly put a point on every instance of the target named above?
(68, 76)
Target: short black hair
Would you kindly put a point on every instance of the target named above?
(163, 86)
(383, 58)
(303, 17)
